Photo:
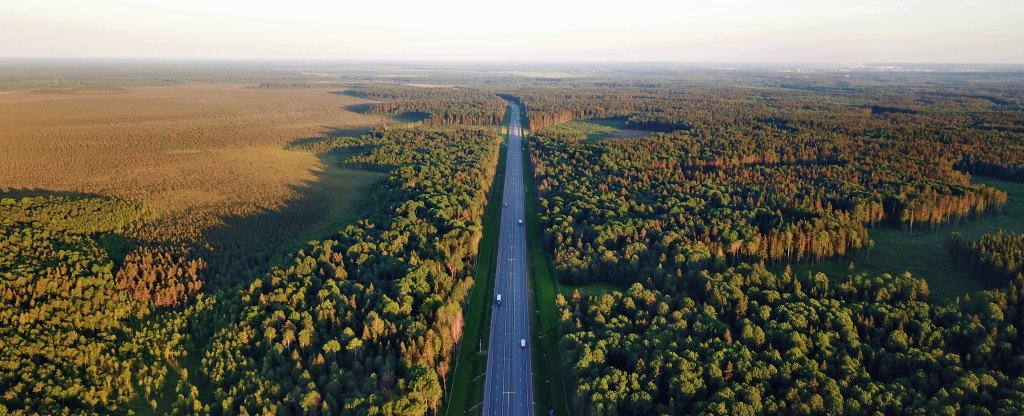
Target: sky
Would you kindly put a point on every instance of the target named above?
(811, 31)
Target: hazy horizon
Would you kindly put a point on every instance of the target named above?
(736, 31)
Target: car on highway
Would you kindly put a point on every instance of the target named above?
(498, 300)
(522, 343)
(520, 223)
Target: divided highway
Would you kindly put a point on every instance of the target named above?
(508, 387)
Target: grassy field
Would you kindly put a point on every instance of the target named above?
(323, 207)
(601, 129)
(467, 385)
(193, 154)
(334, 198)
(923, 255)
(593, 289)
(549, 383)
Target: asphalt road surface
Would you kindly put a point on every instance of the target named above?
(509, 380)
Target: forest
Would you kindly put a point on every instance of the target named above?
(362, 323)
(676, 202)
(133, 305)
(940, 117)
(73, 332)
(305, 241)
(748, 341)
(995, 256)
(365, 322)
(434, 105)
(774, 173)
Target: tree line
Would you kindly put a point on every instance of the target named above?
(998, 256)
(365, 322)
(436, 106)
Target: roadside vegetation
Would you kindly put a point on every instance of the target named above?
(467, 386)
(366, 322)
(549, 382)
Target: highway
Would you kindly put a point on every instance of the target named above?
(508, 381)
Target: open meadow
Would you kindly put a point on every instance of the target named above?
(192, 154)
(924, 254)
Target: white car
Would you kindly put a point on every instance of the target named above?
(522, 343)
